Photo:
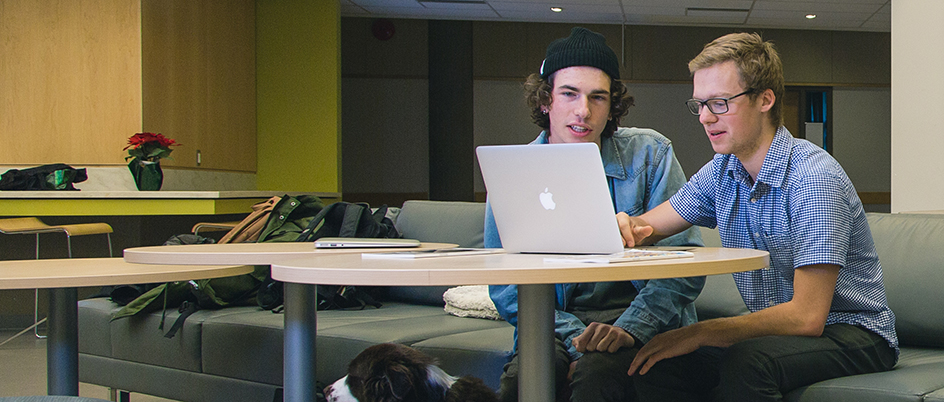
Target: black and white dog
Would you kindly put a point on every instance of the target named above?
(391, 372)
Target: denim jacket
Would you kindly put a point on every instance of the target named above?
(642, 172)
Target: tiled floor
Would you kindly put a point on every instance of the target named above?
(23, 370)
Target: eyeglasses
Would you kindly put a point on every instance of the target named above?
(715, 105)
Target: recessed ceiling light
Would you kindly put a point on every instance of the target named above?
(810, 16)
(556, 9)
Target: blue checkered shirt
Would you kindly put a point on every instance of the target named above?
(803, 210)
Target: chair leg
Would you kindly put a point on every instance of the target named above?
(110, 253)
(36, 301)
(116, 395)
(36, 315)
(69, 244)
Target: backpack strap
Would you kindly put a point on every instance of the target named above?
(251, 226)
(186, 309)
(352, 219)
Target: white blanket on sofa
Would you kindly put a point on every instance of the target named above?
(470, 301)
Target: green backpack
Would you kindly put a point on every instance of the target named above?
(293, 218)
(290, 214)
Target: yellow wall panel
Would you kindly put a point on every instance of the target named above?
(298, 95)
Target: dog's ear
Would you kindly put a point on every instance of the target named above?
(470, 389)
(394, 385)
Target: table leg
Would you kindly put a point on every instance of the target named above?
(536, 343)
(298, 365)
(62, 344)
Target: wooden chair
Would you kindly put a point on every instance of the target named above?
(34, 226)
(213, 227)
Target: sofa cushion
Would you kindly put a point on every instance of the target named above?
(139, 338)
(936, 396)
(95, 319)
(908, 247)
(456, 222)
(917, 374)
(342, 334)
(480, 353)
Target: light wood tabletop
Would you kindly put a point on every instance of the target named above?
(244, 253)
(504, 269)
(79, 272)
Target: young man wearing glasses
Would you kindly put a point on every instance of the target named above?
(819, 311)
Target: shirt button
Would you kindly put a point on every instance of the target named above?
(756, 234)
(771, 303)
(753, 200)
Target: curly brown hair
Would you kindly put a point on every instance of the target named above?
(537, 92)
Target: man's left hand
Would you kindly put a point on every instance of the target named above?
(666, 345)
(600, 337)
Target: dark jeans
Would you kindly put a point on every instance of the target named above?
(763, 369)
(598, 376)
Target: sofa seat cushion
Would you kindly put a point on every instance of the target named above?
(917, 374)
(339, 345)
(139, 338)
(94, 319)
(936, 396)
(248, 346)
(481, 353)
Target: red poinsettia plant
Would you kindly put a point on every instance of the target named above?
(149, 147)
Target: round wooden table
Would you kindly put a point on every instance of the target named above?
(245, 253)
(62, 276)
(299, 316)
(536, 298)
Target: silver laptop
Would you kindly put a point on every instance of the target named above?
(356, 242)
(550, 198)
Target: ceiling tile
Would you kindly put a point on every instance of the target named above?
(867, 15)
(816, 7)
(574, 8)
(561, 3)
(571, 17)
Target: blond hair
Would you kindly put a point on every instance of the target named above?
(757, 62)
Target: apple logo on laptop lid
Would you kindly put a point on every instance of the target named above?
(547, 200)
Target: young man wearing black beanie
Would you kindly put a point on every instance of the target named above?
(577, 97)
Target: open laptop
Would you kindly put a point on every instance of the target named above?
(551, 198)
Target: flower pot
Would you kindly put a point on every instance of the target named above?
(147, 174)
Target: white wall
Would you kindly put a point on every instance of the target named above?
(862, 136)
(917, 85)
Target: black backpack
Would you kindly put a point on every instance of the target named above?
(341, 219)
(56, 176)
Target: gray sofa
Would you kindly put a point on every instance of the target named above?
(235, 354)
(907, 246)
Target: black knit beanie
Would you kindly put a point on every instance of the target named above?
(582, 48)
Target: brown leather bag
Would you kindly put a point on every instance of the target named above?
(248, 229)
